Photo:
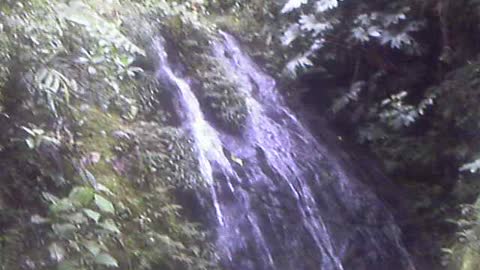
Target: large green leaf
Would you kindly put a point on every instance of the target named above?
(110, 225)
(95, 216)
(63, 205)
(104, 204)
(81, 196)
(106, 259)
(93, 247)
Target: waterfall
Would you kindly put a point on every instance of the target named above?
(278, 198)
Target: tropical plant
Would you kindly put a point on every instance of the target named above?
(68, 89)
(323, 29)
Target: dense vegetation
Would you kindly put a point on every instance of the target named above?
(73, 109)
(399, 79)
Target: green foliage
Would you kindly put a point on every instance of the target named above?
(320, 26)
(47, 42)
(51, 82)
(82, 229)
(351, 96)
(68, 96)
(37, 136)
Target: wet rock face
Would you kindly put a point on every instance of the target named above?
(277, 198)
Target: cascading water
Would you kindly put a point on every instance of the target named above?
(279, 199)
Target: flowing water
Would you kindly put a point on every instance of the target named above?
(278, 198)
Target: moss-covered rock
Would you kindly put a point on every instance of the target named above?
(166, 156)
(219, 95)
(157, 103)
(225, 102)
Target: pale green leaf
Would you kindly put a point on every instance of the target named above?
(110, 225)
(92, 246)
(104, 204)
(106, 260)
(102, 188)
(95, 216)
(63, 205)
(81, 196)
